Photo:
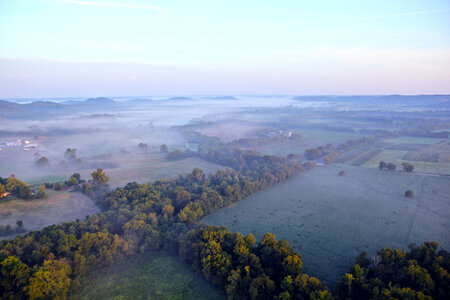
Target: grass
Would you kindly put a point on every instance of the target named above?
(397, 157)
(330, 219)
(57, 208)
(155, 275)
(415, 140)
(139, 168)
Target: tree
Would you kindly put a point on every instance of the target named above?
(19, 226)
(2, 190)
(382, 165)
(43, 162)
(407, 167)
(13, 185)
(58, 186)
(409, 194)
(41, 194)
(164, 148)
(391, 166)
(14, 275)
(99, 178)
(25, 192)
(52, 280)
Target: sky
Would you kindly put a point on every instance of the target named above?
(87, 48)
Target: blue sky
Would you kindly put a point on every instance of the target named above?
(52, 48)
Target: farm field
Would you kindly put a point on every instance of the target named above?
(398, 157)
(155, 275)
(428, 155)
(417, 140)
(330, 219)
(57, 208)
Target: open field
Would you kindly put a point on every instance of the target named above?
(330, 219)
(57, 208)
(142, 168)
(155, 275)
(398, 157)
(418, 140)
(147, 169)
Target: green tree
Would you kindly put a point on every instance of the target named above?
(13, 185)
(2, 190)
(51, 281)
(14, 275)
(407, 167)
(58, 186)
(99, 178)
(25, 192)
(41, 194)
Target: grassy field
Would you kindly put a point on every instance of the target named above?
(155, 275)
(418, 140)
(139, 168)
(330, 219)
(397, 157)
(57, 208)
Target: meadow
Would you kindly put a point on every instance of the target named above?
(330, 219)
(38, 213)
(154, 275)
(142, 168)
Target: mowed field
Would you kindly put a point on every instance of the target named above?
(426, 154)
(57, 208)
(155, 275)
(330, 219)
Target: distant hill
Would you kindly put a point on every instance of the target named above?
(98, 101)
(45, 109)
(180, 98)
(138, 101)
(221, 98)
(43, 104)
(380, 99)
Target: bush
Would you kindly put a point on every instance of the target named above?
(57, 186)
(409, 194)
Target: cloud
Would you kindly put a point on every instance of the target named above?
(411, 13)
(113, 5)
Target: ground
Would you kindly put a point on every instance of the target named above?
(330, 219)
(155, 275)
(57, 208)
